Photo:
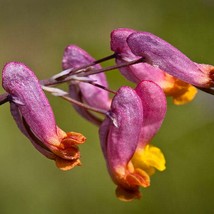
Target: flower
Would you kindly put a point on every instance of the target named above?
(180, 91)
(134, 118)
(163, 55)
(34, 117)
(75, 57)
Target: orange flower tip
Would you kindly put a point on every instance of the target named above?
(126, 194)
(70, 153)
(66, 165)
(138, 178)
(73, 138)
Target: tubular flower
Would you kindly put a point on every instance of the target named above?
(34, 117)
(180, 91)
(161, 54)
(134, 118)
(75, 57)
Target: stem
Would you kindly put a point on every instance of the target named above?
(102, 87)
(83, 105)
(104, 59)
(112, 67)
(207, 90)
(50, 82)
(85, 67)
(60, 93)
(4, 98)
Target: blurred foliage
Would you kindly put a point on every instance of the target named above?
(36, 32)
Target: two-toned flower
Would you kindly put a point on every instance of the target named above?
(126, 47)
(163, 55)
(134, 118)
(34, 117)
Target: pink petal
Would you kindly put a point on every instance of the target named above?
(21, 83)
(119, 139)
(75, 57)
(158, 52)
(154, 109)
(138, 72)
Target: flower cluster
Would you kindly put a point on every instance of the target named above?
(131, 118)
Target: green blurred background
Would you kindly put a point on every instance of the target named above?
(36, 32)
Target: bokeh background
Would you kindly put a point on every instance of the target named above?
(36, 32)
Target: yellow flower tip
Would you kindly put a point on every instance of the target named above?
(66, 165)
(126, 194)
(186, 97)
(180, 91)
(149, 159)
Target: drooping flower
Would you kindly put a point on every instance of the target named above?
(134, 118)
(163, 55)
(75, 57)
(34, 117)
(180, 91)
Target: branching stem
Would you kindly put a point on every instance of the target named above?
(81, 72)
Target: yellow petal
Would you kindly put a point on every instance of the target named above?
(186, 97)
(149, 159)
(180, 91)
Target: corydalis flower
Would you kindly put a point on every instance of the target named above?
(135, 117)
(163, 55)
(180, 91)
(75, 57)
(34, 117)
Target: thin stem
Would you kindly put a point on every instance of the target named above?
(112, 67)
(4, 98)
(85, 67)
(61, 79)
(69, 99)
(207, 90)
(60, 93)
(104, 59)
(102, 87)
(50, 82)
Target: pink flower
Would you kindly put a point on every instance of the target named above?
(34, 117)
(75, 57)
(180, 91)
(135, 117)
(163, 55)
